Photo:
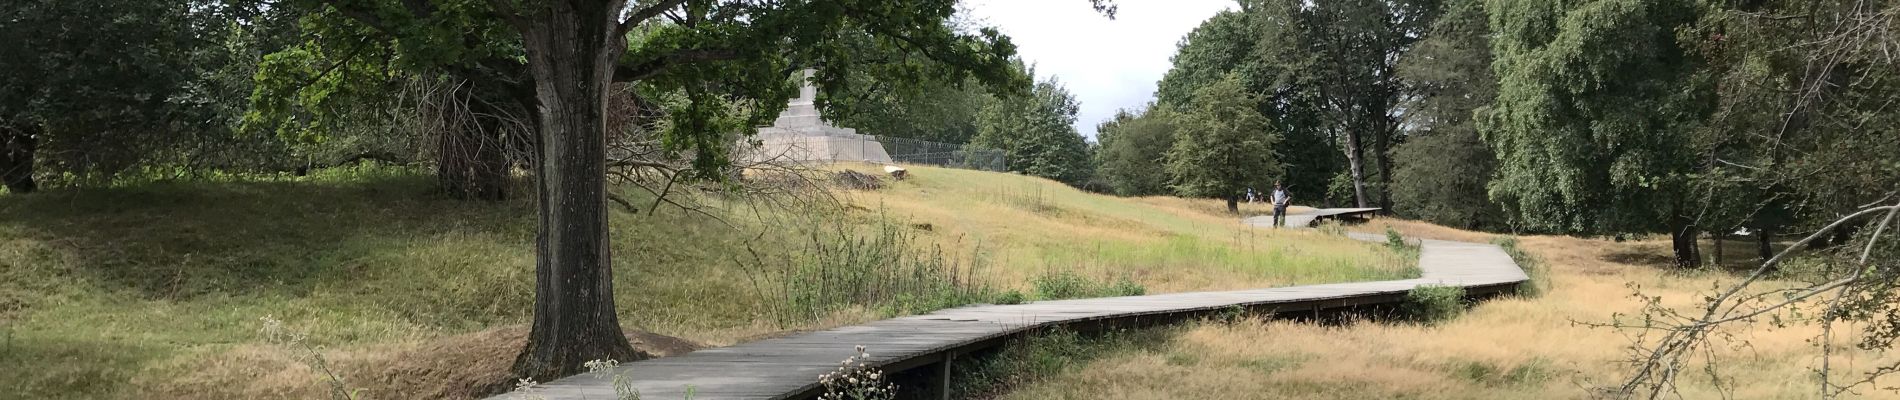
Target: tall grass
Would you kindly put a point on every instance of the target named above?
(880, 267)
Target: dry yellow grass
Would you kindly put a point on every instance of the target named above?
(1513, 348)
(1029, 226)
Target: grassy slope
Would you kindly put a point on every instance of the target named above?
(1514, 348)
(155, 290)
(1168, 244)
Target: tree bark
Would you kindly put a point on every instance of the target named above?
(572, 47)
(1355, 161)
(1382, 153)
(1763, 238)
(471, 162)
(1683, 240)
(18, 146)
(1716, 239)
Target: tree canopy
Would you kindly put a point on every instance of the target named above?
(1223, 144)
(1595, 108)
(1036, 131)
(1441, 170)
(1132, 146)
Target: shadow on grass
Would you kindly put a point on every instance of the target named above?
(179, 241)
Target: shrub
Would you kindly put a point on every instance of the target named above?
(1433, 304)
(1532, 266)
(1012, 296)
(1126, 286)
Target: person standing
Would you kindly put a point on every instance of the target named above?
(1280, 200)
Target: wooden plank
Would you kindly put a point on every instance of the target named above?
(789, 366)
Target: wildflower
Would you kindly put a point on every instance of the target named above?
(601, 368)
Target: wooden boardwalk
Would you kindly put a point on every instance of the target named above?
(788, 367)
(1306, 219)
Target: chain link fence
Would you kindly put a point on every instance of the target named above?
(913, 151)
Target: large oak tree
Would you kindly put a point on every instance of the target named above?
(713, 53)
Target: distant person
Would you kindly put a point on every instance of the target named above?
(1280, 201)
(1252, 196)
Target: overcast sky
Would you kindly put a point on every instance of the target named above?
(1107, 64)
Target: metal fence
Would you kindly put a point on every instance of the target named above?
(913, 151)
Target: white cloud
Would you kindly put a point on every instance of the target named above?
(1107, 64)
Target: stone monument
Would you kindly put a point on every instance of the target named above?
(800, 135)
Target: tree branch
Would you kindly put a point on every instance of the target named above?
(649, 68)
(361, 15)
(649, 12)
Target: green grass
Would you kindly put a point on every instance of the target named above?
(1532, 266)
(1433, 304)
(112, 292)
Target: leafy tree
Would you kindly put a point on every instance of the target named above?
(89, 82)
(1439, 173)
(1325, 72)
(1037, 133)
(938, 112)
(1357, 45)
(568, 56)
(1217, 48)
(1133, 148)
(1223, 144)
(1596, 104)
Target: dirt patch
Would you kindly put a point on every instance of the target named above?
(467, 366)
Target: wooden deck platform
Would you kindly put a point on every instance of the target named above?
(788, 367)
(1308, 218)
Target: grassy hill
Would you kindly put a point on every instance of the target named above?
(157, 290)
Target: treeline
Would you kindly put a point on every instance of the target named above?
(1600, 117)
(115, 90)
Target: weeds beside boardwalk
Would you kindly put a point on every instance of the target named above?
(154, 290)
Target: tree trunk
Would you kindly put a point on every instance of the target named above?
(1382, 153)
(1355, 161)
(1716, 239)
(1233, 204)
(1683, 237)
(572, 47)
(471, 163)
(17, 148)
(1763, 237)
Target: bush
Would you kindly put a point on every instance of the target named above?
(1393, 240)
(1433, 304)
(1012, 296)
(1532, 266)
